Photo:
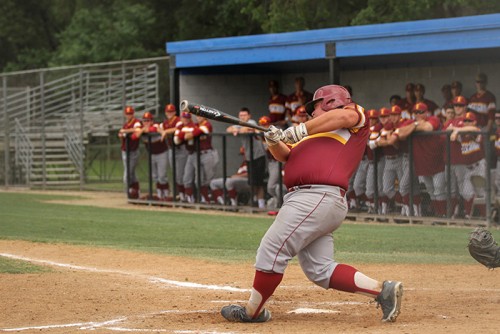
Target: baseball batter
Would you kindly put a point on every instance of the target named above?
(128, 129)
(320, 155)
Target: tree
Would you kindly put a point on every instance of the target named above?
(106, 33)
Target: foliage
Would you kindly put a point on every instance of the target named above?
(38, 33)
(214, 236)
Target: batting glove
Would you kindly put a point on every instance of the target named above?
(273, 135)
(295, 134)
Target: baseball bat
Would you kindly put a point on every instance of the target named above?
(216, 115)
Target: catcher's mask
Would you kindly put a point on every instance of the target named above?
(330, 96)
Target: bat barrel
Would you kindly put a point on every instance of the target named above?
(184, 105)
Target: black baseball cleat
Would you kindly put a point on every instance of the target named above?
(237, 313)
(389, 300)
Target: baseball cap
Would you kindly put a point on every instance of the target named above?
(384, 112)
(372, 113)
(470, 116)
(129, 110)
(185, 114)
(170, 108)
(265, 120)
(456, 84)
(147, 116)
(420, 106)
(459, 101)
(301, 110)
(395, 110)
(409, 87)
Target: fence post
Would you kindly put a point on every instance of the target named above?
(486, 138)
(7, 132)
(224, 168)
(82, 160)
(42, 112)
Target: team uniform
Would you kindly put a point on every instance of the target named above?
(181, 155)
(370, 173)
(208, 158)
(129, 176)
(236, 184)
(497, 150)
(429, 165)
(484, 106)
(277, 107)
(159, 157)
(297, 99)
(317, 171)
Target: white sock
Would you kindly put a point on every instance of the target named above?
(262, 203)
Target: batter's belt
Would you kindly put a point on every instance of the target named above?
(321, 187)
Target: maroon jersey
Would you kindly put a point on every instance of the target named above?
(472, 147)
(205, 129)
(497, 142)
(484, 107)
(386, 131)
(328, 158)
(133, 140)
(374, 134)
(157, 145)
(402, 144)
(455, 147)
(406, 106)
(169, 124)
(431, 105)
(277, 108)
(428, 151)
(180, 134)
(296, 100)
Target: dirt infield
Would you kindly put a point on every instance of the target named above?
(108, 291)
(104, 290)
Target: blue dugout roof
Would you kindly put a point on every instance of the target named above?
(377, 41)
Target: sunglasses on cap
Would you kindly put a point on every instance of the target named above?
(419, 112)
(468, 121)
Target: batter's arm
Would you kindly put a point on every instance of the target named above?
(333, 120)
(280, 151)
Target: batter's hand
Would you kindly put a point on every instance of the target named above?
(295, 134)
(273, 135)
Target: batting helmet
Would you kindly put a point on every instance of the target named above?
(170, 108)
(264, 120)
(147, 116)
(330, 96)
(129, 110)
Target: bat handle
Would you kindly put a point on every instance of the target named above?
(184, 105)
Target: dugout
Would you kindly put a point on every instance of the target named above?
(375, 60)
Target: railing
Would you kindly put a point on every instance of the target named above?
(73, 142)
(23, 150)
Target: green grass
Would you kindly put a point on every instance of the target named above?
(220, 238)
(8, 266)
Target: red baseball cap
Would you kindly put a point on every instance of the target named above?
(147, 116)
(470, 116)
(129, 110)
(395, 110)
(420, 106)
(301, 110)
(459, 101)
(384, 112)
(372, 113)
(185, 114)
(265, 120)
(170, 108)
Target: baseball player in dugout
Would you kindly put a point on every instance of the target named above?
(168, 128)
(158, 150)
(407, 103)
(257, 159)
(277, 105)
(320, 155)
(483, 103)
(129, 177)
(299, 97)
